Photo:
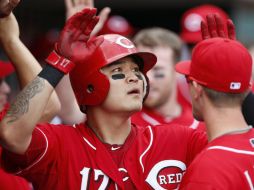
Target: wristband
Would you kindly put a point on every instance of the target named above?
(59, 62)
(51, 74)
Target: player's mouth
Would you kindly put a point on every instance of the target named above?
(135, 91)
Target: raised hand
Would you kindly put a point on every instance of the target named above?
(74, 6)
(74, 42)
(215, 27)
(6, 7)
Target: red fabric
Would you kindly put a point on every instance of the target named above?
(191, 20)
(8, 181)
(6, 69)
(226, 163)
(220, 64)
(74, 158)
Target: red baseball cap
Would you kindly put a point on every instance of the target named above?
(6, 69)
(220, 64)
(191, 20)
(117, 24)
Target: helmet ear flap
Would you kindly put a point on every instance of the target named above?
(145, 85)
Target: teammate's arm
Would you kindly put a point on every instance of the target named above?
(18, 124)
(25, 64)
(6, 7)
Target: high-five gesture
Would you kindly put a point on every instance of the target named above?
(74, 6)
(6, 6)
(215, 27)
(74, 42)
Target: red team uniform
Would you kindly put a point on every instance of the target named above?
(71, 158)
(7, 181)
(226, 159)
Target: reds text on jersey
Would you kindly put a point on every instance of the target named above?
(73, 158)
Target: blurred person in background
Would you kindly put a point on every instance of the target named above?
(117, 24)
(191, 20)
(164, 103)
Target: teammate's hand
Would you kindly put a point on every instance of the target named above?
(6, 6)
(74, 42)
(215, 27)
(74, 6)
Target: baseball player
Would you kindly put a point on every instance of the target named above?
(165, 103)
(107, 151)
(191, 34)
(219, 76)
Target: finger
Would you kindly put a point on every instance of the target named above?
(88, 3)
(220, 26)
(204, 31)
(93, 43)
(89, 16)
(68, 4)
(75, 2)
(91, 25)
(14, 3)
(231, 29)
(11, 5)
(211, 25)
(104, 14)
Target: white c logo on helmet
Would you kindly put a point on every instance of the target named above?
(124, 42)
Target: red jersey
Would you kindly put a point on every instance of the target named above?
(150, 117)
(226, 163)
(8, 181)
(73, 158)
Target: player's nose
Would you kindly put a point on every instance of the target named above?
(132, 77)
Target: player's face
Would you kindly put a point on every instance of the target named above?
(162, 77)
(126, 86)
(4, 91)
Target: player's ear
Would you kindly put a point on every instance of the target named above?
(197, 89)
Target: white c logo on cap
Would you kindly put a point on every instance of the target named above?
(124, 42)
(192, 22)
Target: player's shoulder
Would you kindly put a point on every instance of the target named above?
(56, 128)
(169, 130)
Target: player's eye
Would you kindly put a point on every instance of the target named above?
(159, 75)
(116, 70)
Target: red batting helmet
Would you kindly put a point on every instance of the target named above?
(89, 84)
(191, 20)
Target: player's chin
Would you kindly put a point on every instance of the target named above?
(134, 107)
